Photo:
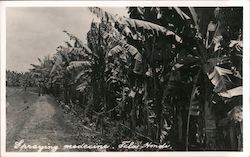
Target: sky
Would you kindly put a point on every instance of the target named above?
(35, 32)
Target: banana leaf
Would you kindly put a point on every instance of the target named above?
(232, 92)
(131, 49)
(132, 23)
(82, 86)
(79, 43)
(115, 50)
(77, 64)
(219, 78)
(181, 13)
(83, 72)
(35, 66)
(56, 64)
(236, 114)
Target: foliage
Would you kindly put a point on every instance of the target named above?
(154, 77)
(20, 79)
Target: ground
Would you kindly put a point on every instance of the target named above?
(40, 121)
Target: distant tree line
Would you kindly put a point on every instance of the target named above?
(19, 79)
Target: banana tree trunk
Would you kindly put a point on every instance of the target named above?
(189, 116)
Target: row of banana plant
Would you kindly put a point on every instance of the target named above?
(19, 79)
(155, 77)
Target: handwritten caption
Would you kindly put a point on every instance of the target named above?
(129, 145)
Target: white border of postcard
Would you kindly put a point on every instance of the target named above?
(210, 3)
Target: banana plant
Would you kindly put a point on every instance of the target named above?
(188, 55)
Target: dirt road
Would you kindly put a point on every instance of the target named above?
(33, 122)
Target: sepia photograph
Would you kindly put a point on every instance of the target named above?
(124, 79)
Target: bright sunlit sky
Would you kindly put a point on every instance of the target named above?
(36, 31)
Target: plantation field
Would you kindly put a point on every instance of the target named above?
(166, 76)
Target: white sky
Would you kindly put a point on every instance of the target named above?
(37, 31)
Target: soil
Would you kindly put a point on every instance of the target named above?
(40, 121)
